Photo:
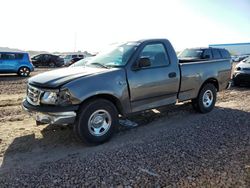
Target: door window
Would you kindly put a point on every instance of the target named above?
(156, 53)
(37, 57)
(46, 57)
(18, 56)
(8, 56)
(216, 54)
(225, 54)
(207, 54)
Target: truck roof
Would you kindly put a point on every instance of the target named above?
(151, 40)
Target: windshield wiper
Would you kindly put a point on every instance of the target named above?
(100, 65)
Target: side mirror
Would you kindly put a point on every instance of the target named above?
(144, 62)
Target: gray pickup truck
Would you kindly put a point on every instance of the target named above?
(127, 78)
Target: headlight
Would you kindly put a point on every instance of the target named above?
(56, 98)
(238, 68)
(49, 98)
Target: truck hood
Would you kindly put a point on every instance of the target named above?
(56, 78)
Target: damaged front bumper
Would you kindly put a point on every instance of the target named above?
(52, 116)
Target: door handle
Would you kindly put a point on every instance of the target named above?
(172, 75)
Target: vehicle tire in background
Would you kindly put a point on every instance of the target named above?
(96, 121)
(23, 71)
(206, 99)
(52, 65)
(236, 83)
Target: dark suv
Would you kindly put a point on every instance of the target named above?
(203, 54)
(47, 60)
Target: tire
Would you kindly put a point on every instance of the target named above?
(96, 121)
(206, 99)
(236, 83)
(23, 71)
(52, 65)
(195, 105)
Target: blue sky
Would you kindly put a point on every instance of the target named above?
(232, 14)
(55, 25)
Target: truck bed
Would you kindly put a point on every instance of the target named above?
(194, 74)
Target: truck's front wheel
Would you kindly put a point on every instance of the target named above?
(206, 99)
(96, 121)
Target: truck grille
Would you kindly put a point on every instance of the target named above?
(33, 95)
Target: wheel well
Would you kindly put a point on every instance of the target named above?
(212, 81)
(22, 67)
(110, 98)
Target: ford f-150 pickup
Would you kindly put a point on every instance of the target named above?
(127, 78)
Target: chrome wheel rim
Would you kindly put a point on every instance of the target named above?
(99, 122)
(208, 98)
(24, 71)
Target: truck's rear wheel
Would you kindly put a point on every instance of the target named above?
(96, 121)
(206, 99)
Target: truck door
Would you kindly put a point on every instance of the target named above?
(157, 84)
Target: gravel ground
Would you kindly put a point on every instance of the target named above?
(12, 84)
(171, 147)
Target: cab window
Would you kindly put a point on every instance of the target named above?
(225, 54)
(156, 53)
(216, 54)
(207, 54)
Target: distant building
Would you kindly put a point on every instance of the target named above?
(235, 48)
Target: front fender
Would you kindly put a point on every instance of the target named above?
(112, 83)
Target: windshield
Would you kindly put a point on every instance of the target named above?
(81, 62)
(188, 53)
(67, 57)
(115, 56)
(62, 56)
(36, 57)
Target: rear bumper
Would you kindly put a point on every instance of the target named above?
(54, 118)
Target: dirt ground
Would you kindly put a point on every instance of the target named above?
(23, 145)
